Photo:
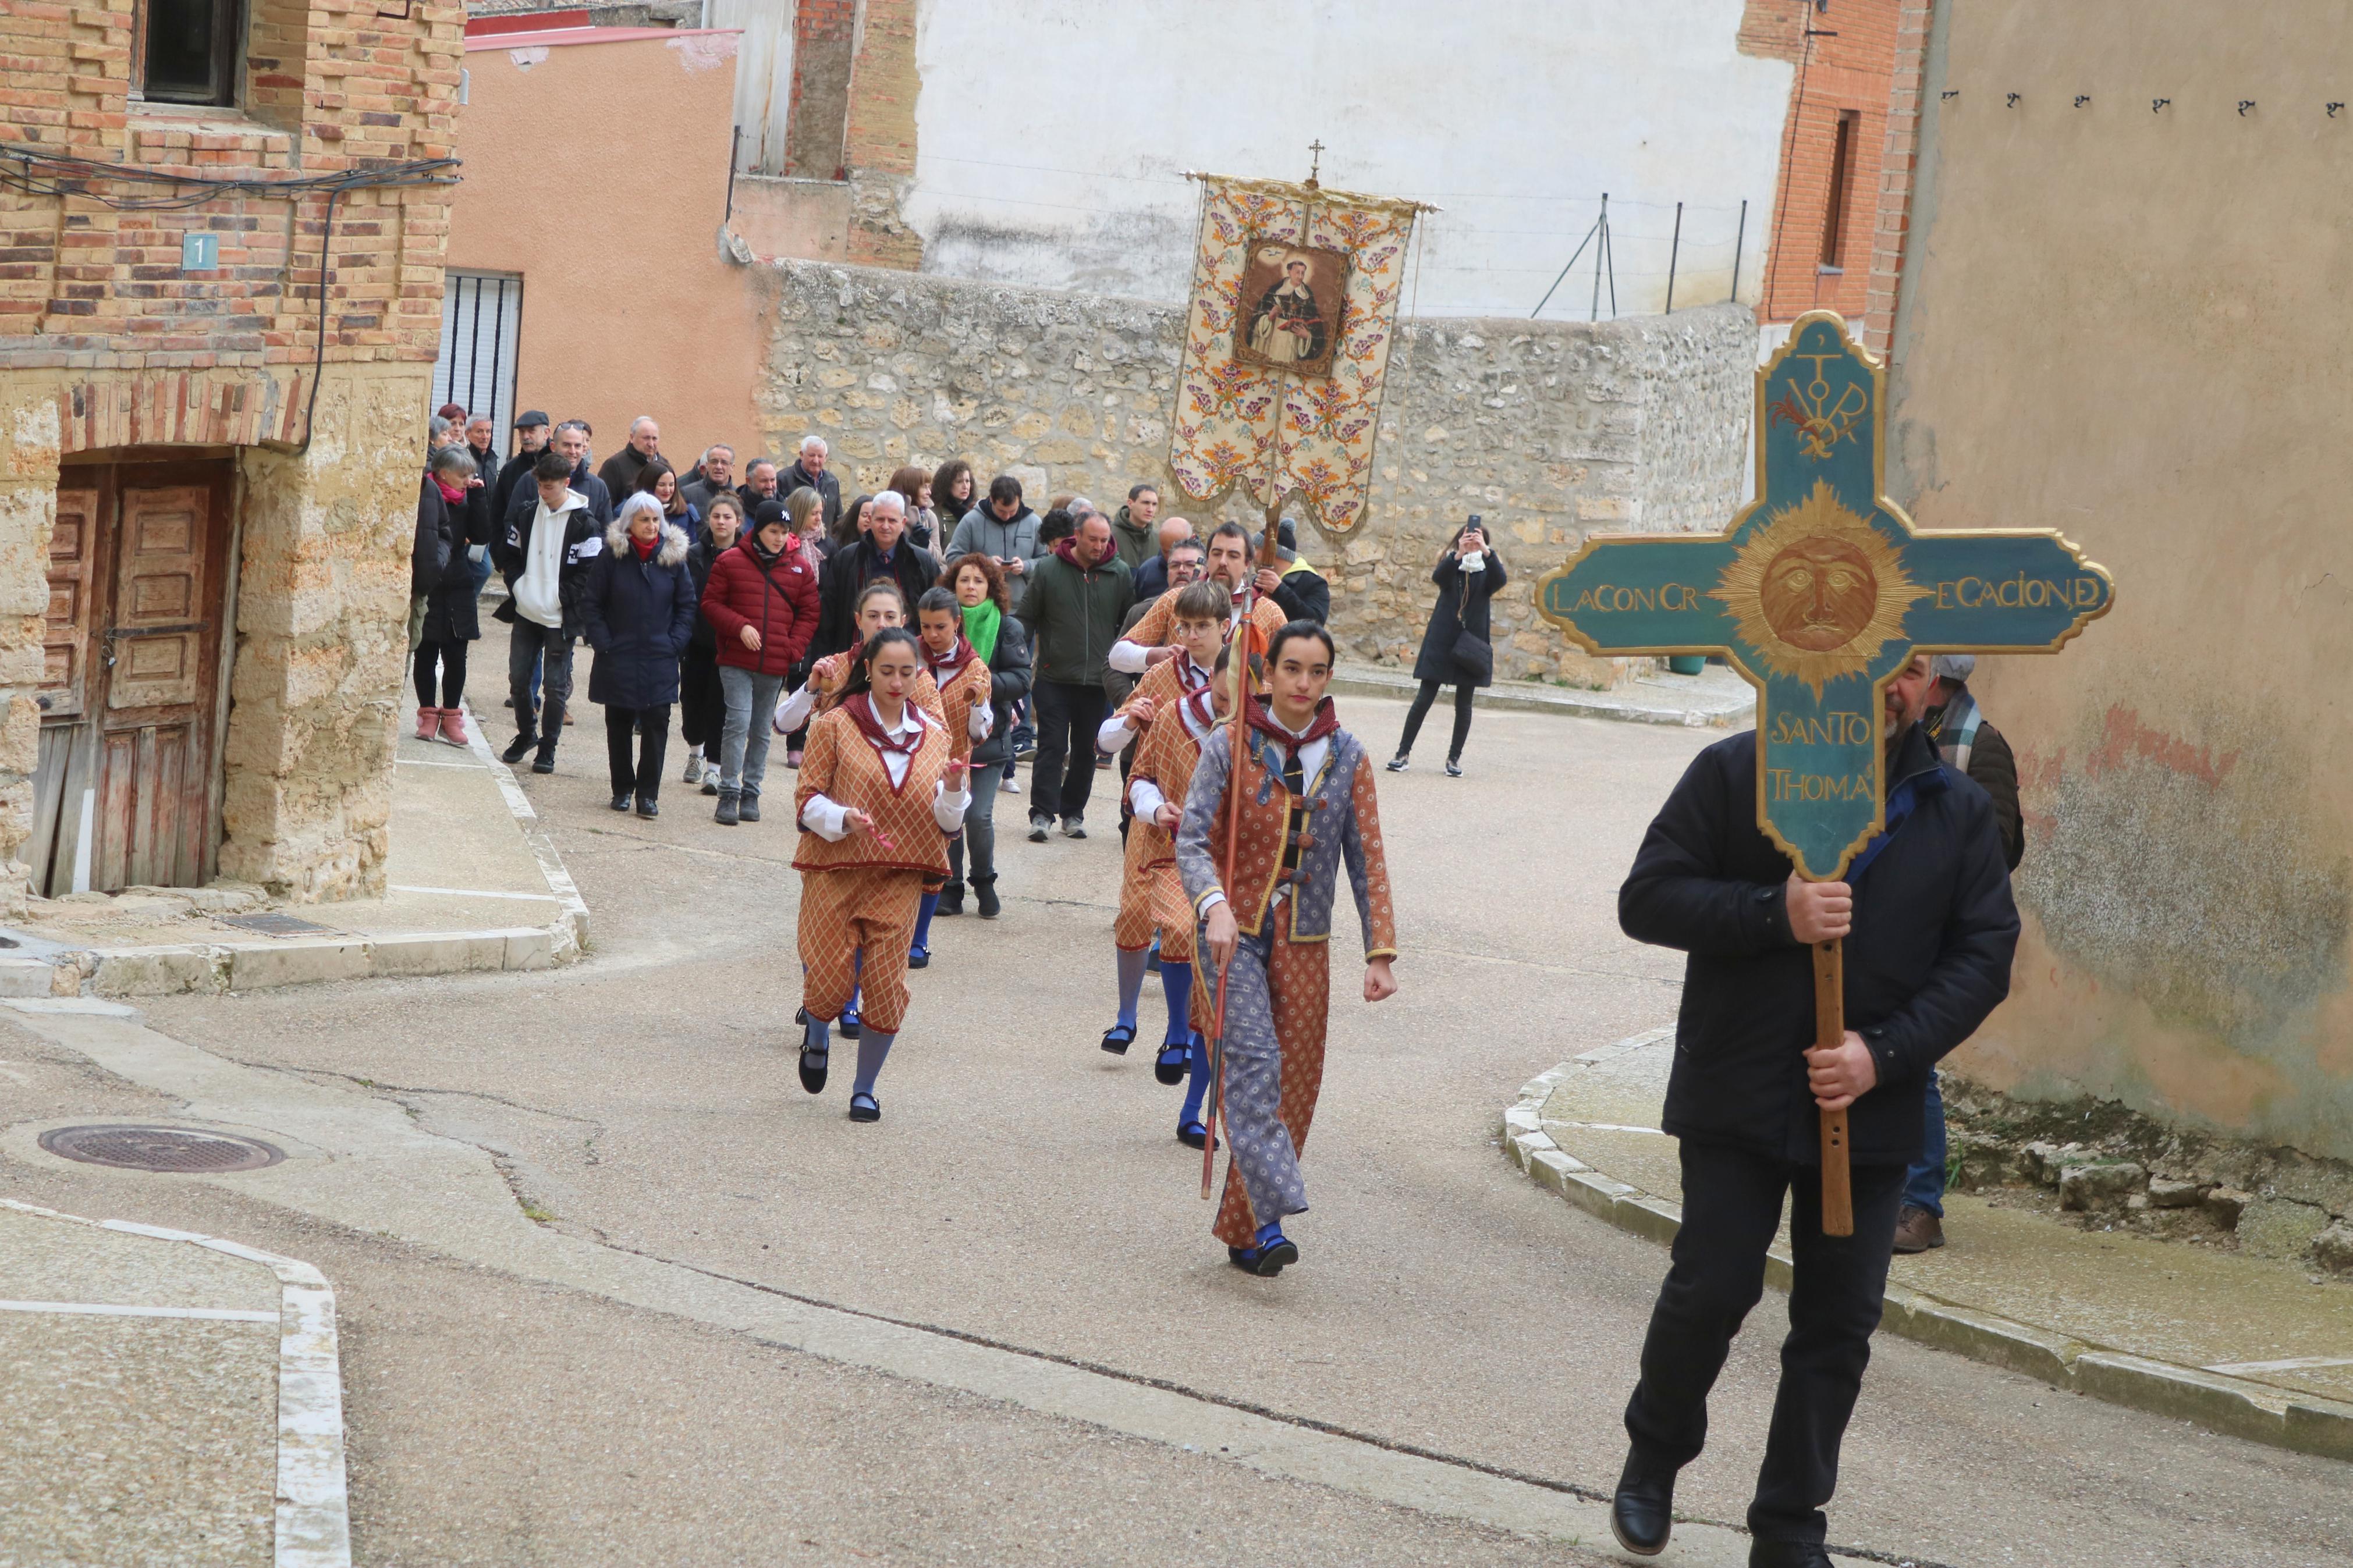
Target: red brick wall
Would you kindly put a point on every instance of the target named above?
(1849, 73)
(824, 35)
(328, 86)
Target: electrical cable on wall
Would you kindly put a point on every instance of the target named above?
(52, 174)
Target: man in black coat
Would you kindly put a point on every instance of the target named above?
(884, 551)
(1296, 587)
(531, 440)
(571, 438)
(809, 469)
(1929, 929)
(621, 469)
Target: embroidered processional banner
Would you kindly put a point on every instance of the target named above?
(1295, 292)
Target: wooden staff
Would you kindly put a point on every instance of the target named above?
(1269, 556)
(1830, 1032)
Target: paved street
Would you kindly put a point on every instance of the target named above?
(509, 1404)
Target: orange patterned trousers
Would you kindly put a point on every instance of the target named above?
(859, 907)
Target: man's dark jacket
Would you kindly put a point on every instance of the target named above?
(1928, 957)
(826, 485)
(850, 569)
(620, 471)
(1074, 614)
(1994, 770)
(592, 489)
(514, 471)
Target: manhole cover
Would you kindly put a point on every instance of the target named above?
(182, 1151)
(277, 925)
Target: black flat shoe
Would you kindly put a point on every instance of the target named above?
(846, 1024)
(1642, 1513)
(1193, 1135)
(813, 1061)
(621, 801)
(1118, 1038)
(1454, 769)
(865, 1108)
(1396, 764)
(1266, 1261)
(1169, 1067)
(919, 958)
(648, 807)
(1788, 1554)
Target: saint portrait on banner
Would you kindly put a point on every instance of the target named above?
(1292, 296)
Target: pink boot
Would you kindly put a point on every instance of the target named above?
(453, 726)
(428, 723)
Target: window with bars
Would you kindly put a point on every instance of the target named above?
(481, 323)
(188, 50)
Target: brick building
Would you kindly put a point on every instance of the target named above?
(1843, 197)
(221, 234)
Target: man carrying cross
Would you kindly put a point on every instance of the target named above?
(1929, 928)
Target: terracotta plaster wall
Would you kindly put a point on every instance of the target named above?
(2129, 323)
(598, 171)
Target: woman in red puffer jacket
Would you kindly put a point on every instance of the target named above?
(761, 602)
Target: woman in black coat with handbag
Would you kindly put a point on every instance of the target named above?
(1455, 649)
(638, 611)
(442, 572)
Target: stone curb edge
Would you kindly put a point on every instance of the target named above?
(216, 967)
(2309, 1424)
(1571, 702)
(313, 1526)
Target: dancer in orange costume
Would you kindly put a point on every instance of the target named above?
(877, 789)
(1306, 811)
(1151, 899)
(1152, 639)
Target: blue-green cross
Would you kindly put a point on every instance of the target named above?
(1821, 591)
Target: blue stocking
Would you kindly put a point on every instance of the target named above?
(1131, 986)
(821, 1031)
(1196, 1082)
(1177, 989)
(873, 1046)
(923, 942)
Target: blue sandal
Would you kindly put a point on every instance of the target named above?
(1118, 1038)
(1169, 1065)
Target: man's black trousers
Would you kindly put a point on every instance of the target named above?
(1732, 1205)
(1064, 770)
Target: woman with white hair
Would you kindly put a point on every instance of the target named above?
(639, 613)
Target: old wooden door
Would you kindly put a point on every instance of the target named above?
(138, 576)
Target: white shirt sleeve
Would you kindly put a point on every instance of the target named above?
(1146, 796)
(1115, 734)
(1210, 900)
(1130, 658)
(794, 710)
(948, 810)
(826, 819)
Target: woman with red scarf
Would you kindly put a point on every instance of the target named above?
(879, 789)
(441, 581)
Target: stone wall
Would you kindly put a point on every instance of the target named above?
(1546, 429)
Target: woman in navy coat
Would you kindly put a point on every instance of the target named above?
(638, 612)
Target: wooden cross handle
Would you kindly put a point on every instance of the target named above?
(1830, 1029)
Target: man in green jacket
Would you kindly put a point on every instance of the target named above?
(1135, 531)
(1072, 608)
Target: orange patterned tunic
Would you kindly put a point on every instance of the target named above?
(843, 765)
(1151, 896)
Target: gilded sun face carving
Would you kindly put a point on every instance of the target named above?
(1817, 590)
(1819, 593)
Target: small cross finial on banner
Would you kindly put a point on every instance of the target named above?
(1316, 147)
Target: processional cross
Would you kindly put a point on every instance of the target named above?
(1819, 593)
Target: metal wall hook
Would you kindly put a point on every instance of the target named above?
(2013, 100)
(2334, 107)
(2157, 103)
(1950, 94)
(2081, 99)
(2244, 105)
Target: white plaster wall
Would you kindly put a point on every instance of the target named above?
(1053, 134)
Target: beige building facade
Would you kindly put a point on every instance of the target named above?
(2123, 316)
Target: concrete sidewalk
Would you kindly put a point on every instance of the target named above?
(474, 884)
(172, 1398)
(2230, 1342)
(1715, 699)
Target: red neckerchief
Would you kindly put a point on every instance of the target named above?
(945, 667)
(860, 709)
(1326, 719)
(1196, 681)
(1202, 706)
